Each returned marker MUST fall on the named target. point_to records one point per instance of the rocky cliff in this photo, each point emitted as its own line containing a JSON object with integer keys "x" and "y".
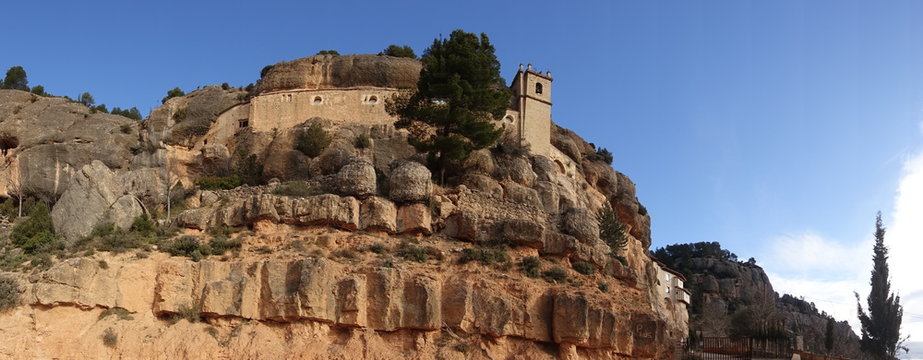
{"x": 353, "y": 253}
{"x": 731, "y": 297}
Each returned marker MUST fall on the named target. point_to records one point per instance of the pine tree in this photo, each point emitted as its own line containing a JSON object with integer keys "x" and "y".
{"x": 881, "y": 325}
{"x": 459, "y": 93}
{"x": 15, "y": 79}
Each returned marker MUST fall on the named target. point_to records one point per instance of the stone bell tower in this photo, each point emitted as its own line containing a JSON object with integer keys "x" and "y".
{"x": 532, "y": 104}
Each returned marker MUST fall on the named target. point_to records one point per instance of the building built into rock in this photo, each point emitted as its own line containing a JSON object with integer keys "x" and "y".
{"x": 353, "y": 89}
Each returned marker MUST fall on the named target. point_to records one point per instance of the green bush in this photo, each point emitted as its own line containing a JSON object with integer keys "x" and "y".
{"x": 143, "y": 226}
{"x": 296, "y": 188}
{"x": 328, "y": 52}
{"x": 190, "y": 313}
{"x": 531, "y": 266}
{"x": 172, "y": 94}
{"x": 35, "y": 232}
{"x": 583, "y": 268}
{"x": 9, "y": 293}
{"x": 180, "y": 114}
{"x": 218, "y": 182}
{"x": 486, "y": 256}
{"x": 399, "y": 51}
{"x": 110, "y": 338}
{"x": 220, "y": 245}
{"x": 378, "y": 248}
{"x": 418, "y": 253}
{"x": 192, "y": 247}
{"x": 555, "y": 274}
{"x": 182, "y": 246}
{"x": 312, "y": 140}
{"x": 125, "y": 128}
{"x": 603, "y": 286}
{"x": 601, "y": 154}
{"x": 362, "y": 141}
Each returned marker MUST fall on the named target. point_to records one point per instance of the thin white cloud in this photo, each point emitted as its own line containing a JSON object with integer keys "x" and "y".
{"x": 827, "y": 272}
{"x": 905, "y": 241}
{"x": 810, "y": 255}
{"x": 833, "y": 296}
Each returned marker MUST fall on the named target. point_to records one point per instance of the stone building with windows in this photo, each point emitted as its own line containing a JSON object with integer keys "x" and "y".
{"x": 674, "y": 298}
{"x": 352, "y": 89}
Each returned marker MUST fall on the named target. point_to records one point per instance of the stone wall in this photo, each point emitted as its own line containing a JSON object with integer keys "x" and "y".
{"x": 286, "y": 109}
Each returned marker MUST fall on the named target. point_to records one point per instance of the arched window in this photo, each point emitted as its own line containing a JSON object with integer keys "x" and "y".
{"x": 538, "y": 88}
{"x": 508, "y": 119}
{"x": 318, "y": 100}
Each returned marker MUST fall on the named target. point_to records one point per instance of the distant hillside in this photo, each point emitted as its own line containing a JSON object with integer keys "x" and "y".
{"x": 731, "y": 297}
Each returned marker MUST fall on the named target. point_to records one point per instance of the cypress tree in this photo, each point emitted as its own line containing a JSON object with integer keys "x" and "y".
{"x": 881, "y": 325}
{"x": 829, "y": 335}
{"x": 459, "y": 93}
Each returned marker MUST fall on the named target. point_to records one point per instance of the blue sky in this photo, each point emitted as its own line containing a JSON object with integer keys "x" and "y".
{"x": 777, "y": 128}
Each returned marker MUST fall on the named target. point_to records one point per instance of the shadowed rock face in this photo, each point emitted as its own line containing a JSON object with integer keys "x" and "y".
{"x": 52, "y": 138}
{"x": 328, "y": 71}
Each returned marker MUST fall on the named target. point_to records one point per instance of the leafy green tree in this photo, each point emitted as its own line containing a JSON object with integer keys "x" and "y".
{"x": 459, "y": 94}
{"x": 829, "y": 335}
{"x": 172, "y": 94}
{"x": 881, "y": 325}
{"x": 86, "y": 99}
{"x": 132, "y": 113}
{"x": 16, "y": 79}
{"x": 399, "y": 51}
{"x": 328, "y": 52}
{"x": 39, "y": 90}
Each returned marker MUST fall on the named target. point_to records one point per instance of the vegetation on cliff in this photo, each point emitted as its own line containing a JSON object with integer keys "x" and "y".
{"x": 735, "y": 298}
{"x": 459, "y": 94}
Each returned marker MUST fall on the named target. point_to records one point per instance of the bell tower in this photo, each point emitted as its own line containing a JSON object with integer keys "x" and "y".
{"x": 532, "y": 99}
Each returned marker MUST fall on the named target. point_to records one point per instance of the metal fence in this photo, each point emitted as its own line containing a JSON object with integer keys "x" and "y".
{"x": 721, "y": 348}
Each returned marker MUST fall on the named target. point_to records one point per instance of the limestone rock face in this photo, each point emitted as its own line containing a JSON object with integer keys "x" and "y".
{"x": 55, "y": 138}
{"x": 182, "y": 119}
{"x": 524, "y": 232}
{"x": 580, "y": 223}
{"x": 377, "y": 214}
{"x": 410, "y": 182}
{"x": 414, "y": 218}
{"x": 329, "y": 71}
{"x": 94, "y": 197}
{"x": 357, "y": 178}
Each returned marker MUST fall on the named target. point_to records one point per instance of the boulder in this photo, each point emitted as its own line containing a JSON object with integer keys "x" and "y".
{"x": 329, "y": 71}
{"x": 483, "y": 184}
{"x": 522, "y": 195}
{"x": 480, "y": 162}
{"x": 356, "y": 178}
{"x": 580, "y": 223}
{"x": 93, "y": 197}
{"x": 414, "y": 218}
{"x": 549, "y": 195}
{"x": 463, "y": 225}
{"x": 525, "y": 232}
{"x": 410, "y": 182}
{"x": 327, "y": 209}
{"x": 520, "y": 171}
{"x": 195, "y": 218}
{"x": 377, "y": 213}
